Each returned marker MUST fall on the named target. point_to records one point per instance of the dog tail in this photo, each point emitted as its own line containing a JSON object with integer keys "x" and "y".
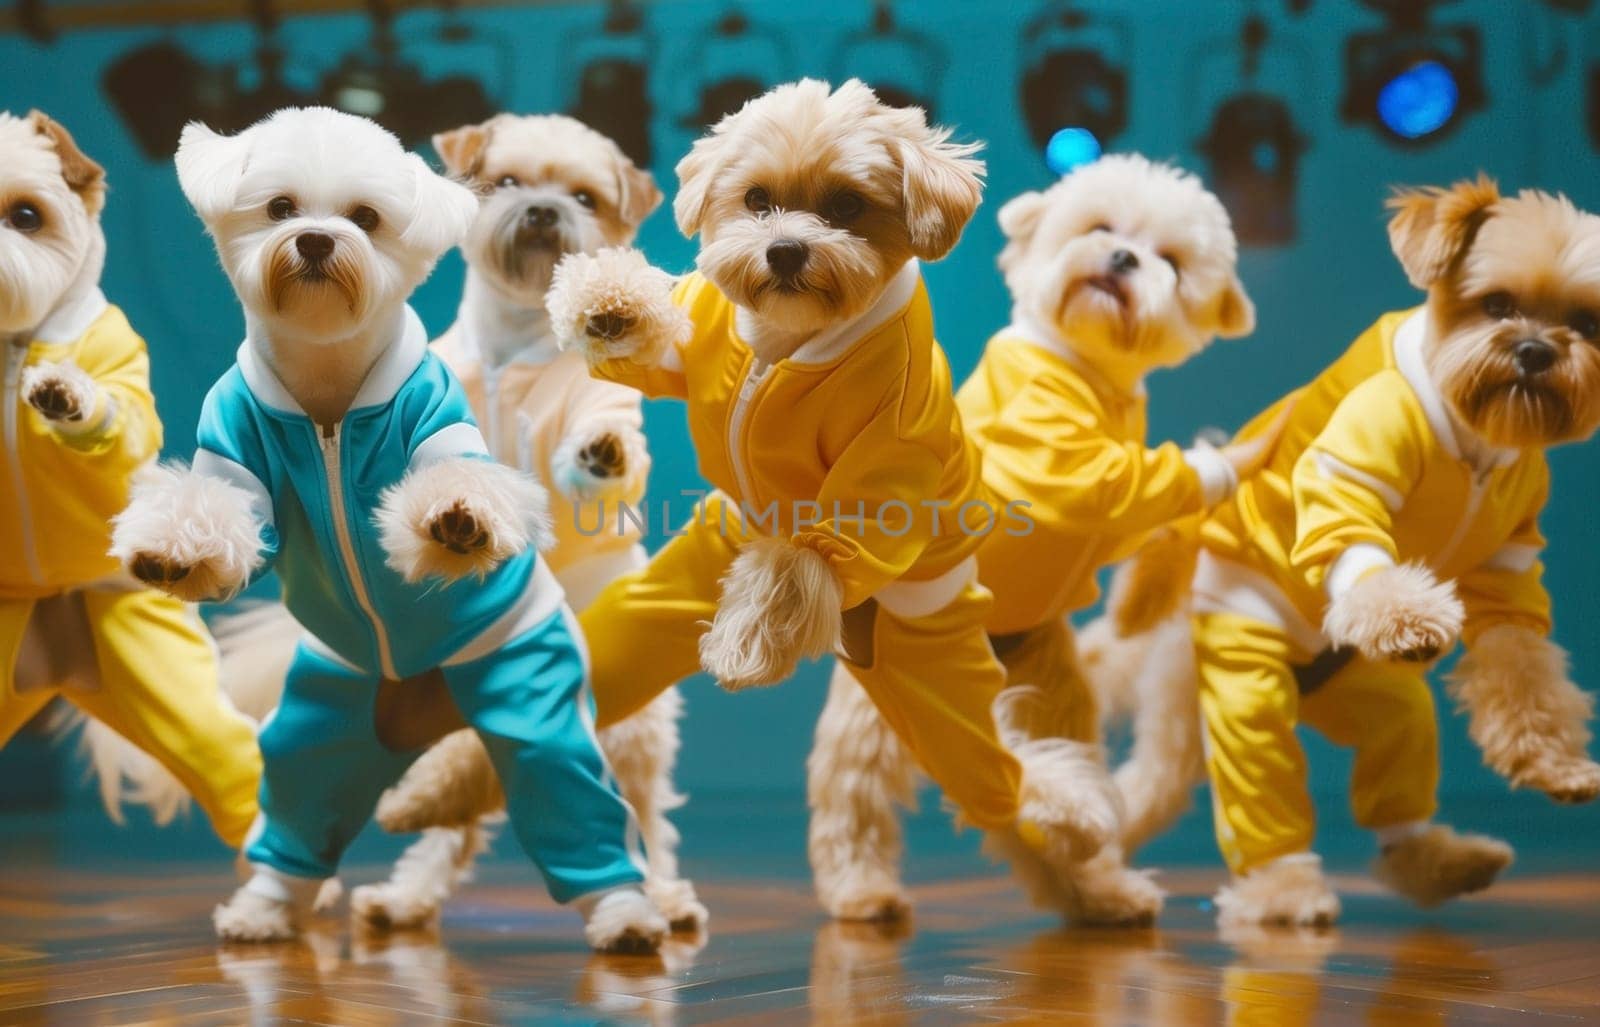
{"x": 254, "y": 645}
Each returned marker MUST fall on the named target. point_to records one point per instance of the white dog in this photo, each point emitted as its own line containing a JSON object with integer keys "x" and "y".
{"x": 342, "y": 451}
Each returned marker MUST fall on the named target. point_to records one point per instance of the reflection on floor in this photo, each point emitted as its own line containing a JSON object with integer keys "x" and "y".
{"x": 84, "y": 946}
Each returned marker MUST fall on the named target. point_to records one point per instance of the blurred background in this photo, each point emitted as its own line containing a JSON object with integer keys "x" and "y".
{"x": 1300, "y": 114}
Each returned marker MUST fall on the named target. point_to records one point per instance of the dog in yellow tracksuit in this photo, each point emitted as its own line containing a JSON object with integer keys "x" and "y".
{"x": 821, "y": 411}
{"x": 1122, "y": 267}
{"x": 78, "y": 420}
{"x": 1400, "y": 510}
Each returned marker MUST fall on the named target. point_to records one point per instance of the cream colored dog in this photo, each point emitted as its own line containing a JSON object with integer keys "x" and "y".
{"x": 548, "y": 186}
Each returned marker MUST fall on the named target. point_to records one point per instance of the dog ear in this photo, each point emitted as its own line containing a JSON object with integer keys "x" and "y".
{"x": 941, "y": 184}
{"x": 1433, "y": 228}
{"x": 1019, "y": 219}
{"x": 209, "y": 168}
{"x": 441, "y": 210}
{"x": 1236, "y": 315}
{"x": 462, "y": 149}
{"x": 637, "y": 193}
{"x": 695, "y": 173}
{"x": 82, "y": 175}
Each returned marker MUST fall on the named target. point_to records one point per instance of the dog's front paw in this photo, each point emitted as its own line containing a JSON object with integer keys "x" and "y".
{"x": 63, "y": 393}
{"x": 1571, "y": 780}
{"x": 460, "y": 517}
{"x": 1396, "y": 613}
{"x": 624, "y": 921}
{"x": 612, "y": 304}
{"x": 598, "y": 463}
{"x": 192, "y": 536}
{"x": 158, "y": 571}
{"x": 250, "y": 917}
{"x": 780, "y": 605}
{"x": 388, "y": 906}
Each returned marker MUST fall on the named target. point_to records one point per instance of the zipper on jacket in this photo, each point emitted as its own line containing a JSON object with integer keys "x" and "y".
{"x": 328, "y": 437}
{"x": 16, "y": 358}
{"x": 748, "y": 388}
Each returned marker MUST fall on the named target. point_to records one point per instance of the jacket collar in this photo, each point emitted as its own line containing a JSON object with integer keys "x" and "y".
{"x": 833, "y": 342}
{"x": 1048, "y": 338}
{"x": 1457, "y": 439}
{"x": 72, "y": 318}
{"x": 399, "y": 361}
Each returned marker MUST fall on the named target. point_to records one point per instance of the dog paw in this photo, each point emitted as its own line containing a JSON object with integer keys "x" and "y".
{"x": 625, "y": 921}
{"x": 192, "y": 536}
{"x": 601, "y": 462}
{"x": 884, "y": 905}
{"x": 1396, "y": 613}
{"x": 457, "y": 529}
{"x": 612, "y": 304}
{"x": 677, "y": 901}
{"x": 157, "y": 571}
{"x": 1567, "y": 780}
{"x": 1437, "y": 864}
{"x": 1067, "y": 797}
{"x": 387, "y": 907}
{"x": 779, "y": 605}
{"x": 1290, "y": 891}
{"x": 1122, "y": 897}
{"x": 250, "y": 917}
{"x": 61, "y": 393}
{"x": 460, "y": 517}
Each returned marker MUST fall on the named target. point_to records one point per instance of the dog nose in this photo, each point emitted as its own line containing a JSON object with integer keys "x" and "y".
{"x": 314, "y": 246}
{"x": 540, "y": 216}
{"x": 1123, "y": 261}
{"x": 787, "y": 256}
{"x": 1534, "y": 356}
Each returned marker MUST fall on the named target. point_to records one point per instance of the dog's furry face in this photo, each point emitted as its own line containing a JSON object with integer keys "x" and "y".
{"x": 322, "y": 220}
{"x": 50, "y": 201}
{"x": 548, "y": 186}
{"x": 1514, "y": 303}
{"x": 807, "y": 201}
{"x": 1128, "y": 260}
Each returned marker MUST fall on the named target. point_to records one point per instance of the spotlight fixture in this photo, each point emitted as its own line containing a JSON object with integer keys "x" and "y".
{"x": 1074, "y": 88}
{"x": 1413, "y": 81}
{"x": 612, "y": 87}
{"x": 1253, "y": 148}
{"x": 733, "y": 65}
{"x": 901, "y": 65}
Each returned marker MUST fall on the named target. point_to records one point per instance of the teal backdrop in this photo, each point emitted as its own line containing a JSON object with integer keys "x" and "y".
{"x": 1313, "y": 295}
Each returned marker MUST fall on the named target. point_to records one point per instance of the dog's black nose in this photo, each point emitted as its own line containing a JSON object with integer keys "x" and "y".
{"x": 314, "y": 246}
{"x": 1534, "y": 356}
{"x": 787, "y": 256}
{"x": 1123, "y": 261}
{"x": 540, "y": 216}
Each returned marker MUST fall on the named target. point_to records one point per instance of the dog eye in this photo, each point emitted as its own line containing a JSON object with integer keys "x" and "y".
{"x": 280, "y": 208}
{"x": 365, "y": 218}
{"x": 1100, "y": 227}
{"x": 844, "y": 208}
{"x": 1499, "y": 305}
{"x": 1585, "y": 323}
{"x": 25, "y": 218}
{"x": 758, "y": 200}
{"x": 585, "y": 198}
{"x": 507, "y": 182}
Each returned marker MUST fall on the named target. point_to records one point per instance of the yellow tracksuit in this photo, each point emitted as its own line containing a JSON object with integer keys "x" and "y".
{"x": 1059, "y": 438}
{"x": 1372, "y": 469}
{"x": 156, "y": 670}
{"x": 853, "y": 447}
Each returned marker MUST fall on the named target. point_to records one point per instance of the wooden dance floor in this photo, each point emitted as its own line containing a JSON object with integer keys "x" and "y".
{"x": 108, "y": 937}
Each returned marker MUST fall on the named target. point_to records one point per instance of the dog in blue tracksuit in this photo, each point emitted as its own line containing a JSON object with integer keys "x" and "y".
{"x": 341, "y": 453}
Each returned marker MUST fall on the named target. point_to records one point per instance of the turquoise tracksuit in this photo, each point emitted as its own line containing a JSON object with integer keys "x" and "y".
{"x": 508, "y": 648}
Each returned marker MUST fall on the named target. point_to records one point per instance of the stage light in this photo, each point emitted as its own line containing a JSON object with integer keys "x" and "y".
{"x": 732, "y": 65}
{"x": 1413, "y": 81}
{"x": 1074, "y": 81}
{"x": 1070, "y": 147}
{"x": 1254, "y": 150}
{"x": 902, "y": 66}
{"x": 612, "y": 87}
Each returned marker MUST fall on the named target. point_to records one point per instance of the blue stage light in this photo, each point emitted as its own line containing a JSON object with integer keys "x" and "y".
{"x": 1419, "y": 101}
{"x": 1070, "y": 147}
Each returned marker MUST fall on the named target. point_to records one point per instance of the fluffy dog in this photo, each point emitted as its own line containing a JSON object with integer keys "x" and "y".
{"x": 548, "y": 186}
{"x": 342, "y": 452}
{"x": 1122, "y": 267}
{"x": 1399, "y": 511}
{"x": 79, "y": 421}
{"x": 821, "y": 410}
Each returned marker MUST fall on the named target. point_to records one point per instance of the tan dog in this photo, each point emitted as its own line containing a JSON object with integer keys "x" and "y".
{"x": 548, "y": 186}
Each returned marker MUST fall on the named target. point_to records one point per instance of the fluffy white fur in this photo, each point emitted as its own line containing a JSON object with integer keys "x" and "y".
{"x": 1400, "y": 612}
{"x": 779, "y": 605}
{"x": 189, "y": 534}
{"x": 622, "y": 920}
{"x": 1065, "y": 788}
{"x": 424, "y": 876}
{"x": 461, "y": 517}
{"x": 1292, "y": 891}
{"x": 452, "y": 783}
{"x": 605, "y": 459}
{"x": 63, "y": 393}
{"x": 1437, "y": 864}
{"x": 613, "y": 305}
{"x": 249, "y": 917}
{"x": 1525, "y": 713}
